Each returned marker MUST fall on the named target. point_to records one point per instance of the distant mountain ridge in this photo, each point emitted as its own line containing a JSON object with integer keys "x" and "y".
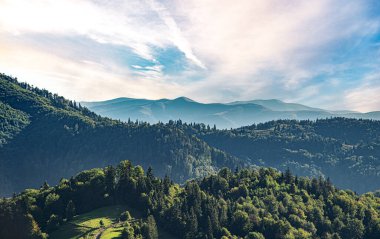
{"x": 277, "y": 105}
{"x": 223, "y": 115}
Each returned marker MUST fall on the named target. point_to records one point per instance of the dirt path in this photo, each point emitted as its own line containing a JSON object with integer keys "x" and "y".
{"x": 102, "y": 229}
{"x": 99, "y": 234}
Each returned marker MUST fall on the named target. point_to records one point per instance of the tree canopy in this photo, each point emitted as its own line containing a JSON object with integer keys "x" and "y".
{"x": 248, "y": 203}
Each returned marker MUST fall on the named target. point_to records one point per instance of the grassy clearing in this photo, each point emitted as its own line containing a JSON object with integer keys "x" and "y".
{"x": 112, "y": 233}
{"x": 86, "y": 225}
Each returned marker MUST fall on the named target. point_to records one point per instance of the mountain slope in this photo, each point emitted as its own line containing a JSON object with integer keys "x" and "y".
{"x": 55, "y": 138}
{"x": 12, "y": 121}
{"x": 45, "y": 137}
{"x": 346, "y": 150}
{"x": 245, "y": 204}
{"x": 230, "y": 115}
{"x": 277, "y": 105}
{"x": 163, "y": 110}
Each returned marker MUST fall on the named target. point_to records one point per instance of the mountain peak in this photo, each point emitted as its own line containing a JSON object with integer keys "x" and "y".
{"x": 183, "y": 98}
{"x": 223, "y": 115}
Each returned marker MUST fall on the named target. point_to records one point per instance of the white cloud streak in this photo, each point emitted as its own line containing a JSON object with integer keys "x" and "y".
{"x": 365, "y": 97}
{"x": 175, "y": 33}
{"x": 241, "y": 40}
{"x": 235, "y": 50}
{"x": 79, "y": 80}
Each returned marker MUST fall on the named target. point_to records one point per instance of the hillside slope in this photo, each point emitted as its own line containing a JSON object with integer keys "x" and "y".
{"x": 247, "y": 204}
{"x": 45, "y": 137}
{"x": 346, "y": 150}
{"x": 49, "y": 137}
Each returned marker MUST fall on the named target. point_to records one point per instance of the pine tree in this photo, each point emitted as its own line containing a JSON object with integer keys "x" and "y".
{"x": 150, "y": 230}
{"x": 166, "y": 184}
{"x": 110, "y": 174}
{"x": 149, "y": 173}
{"x": 192, "y": 225}
{"x": 70, "y": 210}
{"x": 209, "y": 228}
{"x": 288, "y": 176}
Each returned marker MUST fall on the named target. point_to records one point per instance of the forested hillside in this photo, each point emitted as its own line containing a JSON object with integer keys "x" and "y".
{"x": 11, "y": 122}
{"x": 46, "y": 137}
{"x": 248, "y": 203}
{"x": 346, "y": 150}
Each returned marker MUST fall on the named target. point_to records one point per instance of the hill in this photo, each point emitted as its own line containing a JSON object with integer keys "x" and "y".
{"x": 44, "y": 137}
{"x": 248, "y": 203}
{"x": 229, "y": 115}
{"x": 345, "y": 150}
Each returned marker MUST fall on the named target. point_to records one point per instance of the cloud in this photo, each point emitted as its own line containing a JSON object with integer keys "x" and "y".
{"x": 80, "y": 79}
{"x": 238, "y": 41}
{"x": 102, "y": 24}
{"x": 317, "y": 52}
{"x": 365, "y": 97}
{"x": 175, "y": 33}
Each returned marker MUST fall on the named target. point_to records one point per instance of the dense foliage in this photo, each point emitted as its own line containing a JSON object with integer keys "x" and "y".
{"x": 11, "y": 122}
{"x": 250, "y": 203}
{"x": 45, "y": 137}
{"x": 346, "y": 150}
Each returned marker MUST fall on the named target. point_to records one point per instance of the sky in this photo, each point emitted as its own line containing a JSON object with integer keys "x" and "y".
{"x": 322, "y": 53}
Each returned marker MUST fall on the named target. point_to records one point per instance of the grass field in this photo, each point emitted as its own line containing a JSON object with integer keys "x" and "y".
{"x": 87, "y": 225}
{"x": 112, "y": 233}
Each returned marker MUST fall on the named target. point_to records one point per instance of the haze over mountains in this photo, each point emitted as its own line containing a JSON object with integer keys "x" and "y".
{"x": 44, "y": 136}
{"x": 223, "y": 115}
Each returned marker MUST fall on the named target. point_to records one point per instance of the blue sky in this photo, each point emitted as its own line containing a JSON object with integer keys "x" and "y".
{"x": 323, "y": 53}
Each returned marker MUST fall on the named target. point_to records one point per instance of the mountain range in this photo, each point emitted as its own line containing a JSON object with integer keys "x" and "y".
{"x": 45, "y": 137}
{"x": 223, "y": 115}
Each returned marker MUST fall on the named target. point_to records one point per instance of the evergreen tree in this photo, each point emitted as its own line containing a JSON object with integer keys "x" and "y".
{"x": 150, "y": 228}
{"x": 70, "y": 210}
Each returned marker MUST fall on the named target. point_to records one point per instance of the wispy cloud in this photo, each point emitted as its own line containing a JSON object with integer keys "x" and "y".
{"x": 318, "y": 52}
{"x": 80, "y": 79}
{"x": 175, "y": 33}
{"x": 365, "y": 97}
{"x": 290, "y": 43}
